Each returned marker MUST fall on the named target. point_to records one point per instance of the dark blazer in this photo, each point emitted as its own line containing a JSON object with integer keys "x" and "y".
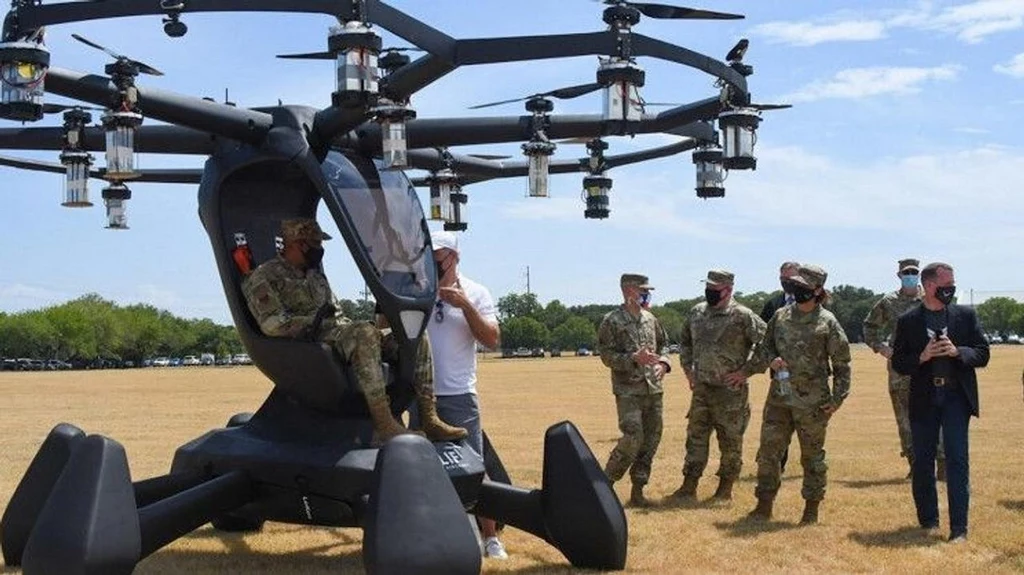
{"x": 773, "y": 305}
{"x": 911, "y": 337}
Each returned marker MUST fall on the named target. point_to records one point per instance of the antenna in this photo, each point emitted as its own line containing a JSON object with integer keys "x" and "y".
{"x": 527, "y": 280}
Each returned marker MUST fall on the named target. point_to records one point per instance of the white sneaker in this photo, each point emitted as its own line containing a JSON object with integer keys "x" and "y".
{"x": 494, "y": 549}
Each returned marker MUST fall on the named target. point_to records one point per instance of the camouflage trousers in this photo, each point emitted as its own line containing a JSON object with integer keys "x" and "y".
{"x": 899, "y": 393}
{"x": 640, "y": 422}
{"x": 365, "y": 347}
{"x": 780, "y": 421}
{"x": 725, "y": 411}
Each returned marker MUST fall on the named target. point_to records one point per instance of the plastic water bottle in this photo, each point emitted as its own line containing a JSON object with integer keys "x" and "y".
{"x": 782, "y": 376}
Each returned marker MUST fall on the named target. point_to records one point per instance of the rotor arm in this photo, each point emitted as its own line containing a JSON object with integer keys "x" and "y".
{"x": 647, "y": 46}
{"x": 219, "y": 119}
{"x": 168, "y": 176}
{"x": 149, "y": 139}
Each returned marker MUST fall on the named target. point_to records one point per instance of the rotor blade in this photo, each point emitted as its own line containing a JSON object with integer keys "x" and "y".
{"x": 574, "y": 141}
{"x": 738, "y": 51}
{"x": 88, "y": 42}
{"x": 478, "y": 106}
{"x": 771, "y": 106}
{"x": 656, "y": 104}
{"x": 146, "y": 68}
{"x": 308, "y": 56}
{"x": 488, "y": 156}
{"x": 680, "y": 13}
{"x": 573, "y": 91}
{"x": 402, "y": 49}
{"x": 57, "y": 108}
{"x": 34, "y": 165}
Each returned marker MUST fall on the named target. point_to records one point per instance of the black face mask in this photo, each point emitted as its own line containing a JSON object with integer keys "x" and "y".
{"x": 712, "y": 296}
{"x": 313, "y": 257}
{"x": 802, "y": 294}
{"x": 787, "y": 286}
{"x": 945, "y": 294}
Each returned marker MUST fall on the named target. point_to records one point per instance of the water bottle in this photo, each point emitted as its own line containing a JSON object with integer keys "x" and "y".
{"x": 782, "y": 376}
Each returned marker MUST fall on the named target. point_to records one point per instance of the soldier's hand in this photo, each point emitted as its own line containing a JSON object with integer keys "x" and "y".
{"x": 933, "y": 349}
{"x": 646, "y": 357}
{"x": 829, "y": 408}
{"x": 885, "y": 351}
{"x": 736, "y": 379}
{"x": 659, "y": 371}
{"x": 777, "y": 364}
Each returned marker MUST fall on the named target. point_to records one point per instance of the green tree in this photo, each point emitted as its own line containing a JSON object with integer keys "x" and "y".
{"x": 527, "y": 332}
{"x": 1000, "y": 314}
{"x": 851, "y": 305}
{"x": 553, "y": 315}
{"x": 671, "y": 320}
{"x": 574, "y": 333}
{"x": 516, "y": 305}
{"x": 756, "y": 300}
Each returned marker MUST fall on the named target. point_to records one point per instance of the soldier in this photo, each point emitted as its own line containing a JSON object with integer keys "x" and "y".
{"x": 804, "y": 342}
{"x": 878, "y": 332}
{"x": 716, "y": 339}
{"x": 786, "y": 271}
{"x": 289, "y": 296}
{"x": 629, "y": 340}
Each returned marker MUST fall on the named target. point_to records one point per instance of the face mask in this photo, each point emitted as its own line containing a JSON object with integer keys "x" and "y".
{"x": 313, "y": 257}
{"x": 802, "y": 294}
{"x": 909, "y": 281}
{"x": 787, "y": 286}
{"x": 712, "y": 296}
{"x": 644, "y": 299}
{"x": 945, "y": 294}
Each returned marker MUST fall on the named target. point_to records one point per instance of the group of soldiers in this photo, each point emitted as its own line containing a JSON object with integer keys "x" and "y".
{"x": 721, "y": 344}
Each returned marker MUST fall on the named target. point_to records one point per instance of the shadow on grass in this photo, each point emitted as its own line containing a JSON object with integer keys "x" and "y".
{"x": 748, "y": 528}
{"x": 902, "y": 538}
{"x": 869, "y": 483}
{"x": 1012, "y": 505}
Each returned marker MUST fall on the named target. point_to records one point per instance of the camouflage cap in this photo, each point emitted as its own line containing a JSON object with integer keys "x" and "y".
{"x": 636, "y": 280}
{"x": 719, "y": 278}
{"x": 910, "y": 264}
{"x": 302, "y": 229}
{"x": 810, "y": 276}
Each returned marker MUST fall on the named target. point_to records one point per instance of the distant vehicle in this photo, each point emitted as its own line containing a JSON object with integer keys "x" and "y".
{"x": 507, "y": 353}
{"x": 223, "y": 360}
{"x": 537, "y": 352}
{"x": 161, "y": 362}
{"x": 241, "y": 359}
{"x": 556, "y": 353}
{"x": 56, "y": 364}
{"x": 175, "y": 362}
{"x": 190, "y": 360}
{"x": 207, "y": 359}
{"x": 1014, "y": 339}
{"x": 148, "y": 362}
{"x": 9, "y": 365}
{"x": 524, "y": 352}
{"x": 582, "y": 352}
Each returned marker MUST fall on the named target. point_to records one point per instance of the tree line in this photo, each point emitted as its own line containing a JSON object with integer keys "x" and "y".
{"x": 527, "y": 323}
{"x": 91, "y": 327}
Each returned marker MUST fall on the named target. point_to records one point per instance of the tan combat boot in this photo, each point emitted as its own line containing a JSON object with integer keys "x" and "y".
{"x": 724, "y": 491}
{"x": 763, "y": 511}
{"x": 688, "y": 490}
{"x": 384, "y": 425}
{"x": 432, "y": 425}
{"x": 810, "y": 516}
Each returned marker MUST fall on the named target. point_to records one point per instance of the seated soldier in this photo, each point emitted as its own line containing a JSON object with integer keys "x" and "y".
{"x": 289, "y": 296}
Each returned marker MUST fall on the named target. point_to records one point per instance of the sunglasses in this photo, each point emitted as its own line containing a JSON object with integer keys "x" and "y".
{"x": 909, "y": 273}
{"x": 439, "y": 312}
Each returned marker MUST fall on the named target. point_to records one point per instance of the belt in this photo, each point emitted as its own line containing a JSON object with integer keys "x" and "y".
{"x": 939, "y": 381}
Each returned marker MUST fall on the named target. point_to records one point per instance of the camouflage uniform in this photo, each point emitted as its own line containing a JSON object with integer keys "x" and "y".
{"x": 638, "y": 393}
{"x": 714, "y": 342}
{"x": 878, "y": 331}
{"x": 808, "y": 342}
{"x": 285, "y": 299}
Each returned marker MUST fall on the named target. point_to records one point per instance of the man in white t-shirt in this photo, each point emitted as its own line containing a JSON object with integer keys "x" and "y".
{"x": 465, "y": 314}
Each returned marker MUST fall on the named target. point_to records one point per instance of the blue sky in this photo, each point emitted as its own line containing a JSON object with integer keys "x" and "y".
{"x": 905, "y": 141}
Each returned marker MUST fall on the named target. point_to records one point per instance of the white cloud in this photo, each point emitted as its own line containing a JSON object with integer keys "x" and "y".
{"x": 874, "y": 81}
{"x": 810, "y": 34}
{"x": 22, "y": 296}
{"x": 1015, "y": 67}
{"x": 970, "y": 22}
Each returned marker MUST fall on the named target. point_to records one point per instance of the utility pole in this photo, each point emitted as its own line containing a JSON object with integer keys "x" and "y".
{"x": 366, "y": 293}
{"x": 527, "y": 280}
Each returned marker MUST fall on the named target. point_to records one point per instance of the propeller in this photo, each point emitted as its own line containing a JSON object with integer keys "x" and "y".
{"x": 488, "y": 156}
{"x": 58, "y": 107}
{"x": 329, "y": 56}
{"x": 561, "y": 93}
{"x": 666, "y": 12}
{"x": 738, "y": 51}
{"x": 141, "y": 67}
{"x": 754, "y": 106}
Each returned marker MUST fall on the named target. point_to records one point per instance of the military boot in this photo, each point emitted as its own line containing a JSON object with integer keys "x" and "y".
{"x": 384, "y": 425}
{"x": 763, "y": 511}
{"x": 810, "y": 513}
{"x": 432, "y": 425}
{"x": 940, "y": 469}
{"x": 636, "y": 496}
{"x": 724, "y": 491}
{"x": 688, "y": 490}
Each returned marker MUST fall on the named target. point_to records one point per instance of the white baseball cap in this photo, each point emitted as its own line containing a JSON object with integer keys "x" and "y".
{"x": 444, "y": 240}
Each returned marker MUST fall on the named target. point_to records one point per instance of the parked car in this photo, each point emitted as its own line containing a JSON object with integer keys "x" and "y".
{"x": 174, "y": 362}
{"x": 556, "y": 353}
{"x": 190, "y": 360}
{"x": 507, "y": 353}
{"x": 207, "y": 359}
{"x": 582, "y": 352}
{"x": 537, "y": 352}
{"x": 241, "y": 359}
{"x": 524, "y": 352}
{"x": 161, "y": 362}
{"x": 9, "y": 365}
{"x": 223, "y": 360}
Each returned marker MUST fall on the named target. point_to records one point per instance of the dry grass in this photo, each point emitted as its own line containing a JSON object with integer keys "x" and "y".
{"x": 867, "y": 517}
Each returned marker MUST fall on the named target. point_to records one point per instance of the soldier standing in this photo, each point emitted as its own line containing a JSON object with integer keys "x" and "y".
{"x": 716, "y": 339}
{"x": 804, "y": 343}
{"x": 629, "y": 340}
{"x": 289, "y": 297}
{"x": 878, "y": 332}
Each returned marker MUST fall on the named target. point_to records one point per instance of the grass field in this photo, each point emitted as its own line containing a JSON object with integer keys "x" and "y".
{"x": 867, "y": 518}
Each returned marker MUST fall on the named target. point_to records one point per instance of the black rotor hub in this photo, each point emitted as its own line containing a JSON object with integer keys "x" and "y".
{"x": 391, "y": 61}
{"x": 540, "y": 105}
{"x": 621, "y": 16}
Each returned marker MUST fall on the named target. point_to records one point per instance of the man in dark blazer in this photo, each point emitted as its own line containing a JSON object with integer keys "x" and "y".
{"x": 774, "y": 304}
{"x": 939, "y": 344}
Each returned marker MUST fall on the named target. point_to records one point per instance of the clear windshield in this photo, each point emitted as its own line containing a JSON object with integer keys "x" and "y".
{"x": 389, "y": 222}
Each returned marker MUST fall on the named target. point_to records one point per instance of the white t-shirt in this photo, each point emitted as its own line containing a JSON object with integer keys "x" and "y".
{"x": 453, "y": 344}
